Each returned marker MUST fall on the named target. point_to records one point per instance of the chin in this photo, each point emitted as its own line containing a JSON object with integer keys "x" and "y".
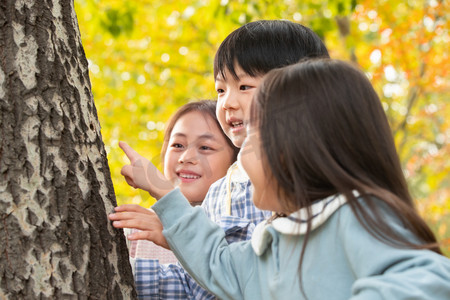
{"x": 237, "y": 141}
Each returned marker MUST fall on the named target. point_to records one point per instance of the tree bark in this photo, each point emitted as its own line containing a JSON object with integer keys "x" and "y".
{"x": 55, "y": 185}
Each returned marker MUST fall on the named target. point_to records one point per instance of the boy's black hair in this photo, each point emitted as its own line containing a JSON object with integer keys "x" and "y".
{"x": 261, "y": 46}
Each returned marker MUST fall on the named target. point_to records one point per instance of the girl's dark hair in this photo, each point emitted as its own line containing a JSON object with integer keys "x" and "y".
{"x": 207, "y": 108}
{"x": 324, "y": 131}
{"x": 261, "y": 46}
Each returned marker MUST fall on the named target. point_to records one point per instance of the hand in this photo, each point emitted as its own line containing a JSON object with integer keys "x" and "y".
{"x": 142, "y": 174}
{"x": 138, "y": 217}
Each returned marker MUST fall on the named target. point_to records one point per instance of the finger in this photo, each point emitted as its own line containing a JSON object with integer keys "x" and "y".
{"x": 129, "y": 152}
{"x": 125, "y": 223}
{"x": 130, "y": 182}
{"x": 127, "y": 172}
{"x": 140, "y": 235}
{"x": 152, "y": 236}
{"x": 130, "y": 208}
{"x": 123, "y": 216}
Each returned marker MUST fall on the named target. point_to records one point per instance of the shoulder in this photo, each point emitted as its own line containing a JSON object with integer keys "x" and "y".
{"x": 375, "y": 209}
{"x": 357, "y": 237}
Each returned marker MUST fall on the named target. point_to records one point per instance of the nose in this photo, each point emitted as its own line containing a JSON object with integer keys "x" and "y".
{"x": 230, "y": 101}
{"x": 188, "y": 156}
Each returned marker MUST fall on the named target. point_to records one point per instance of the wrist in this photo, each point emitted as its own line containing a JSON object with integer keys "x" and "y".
{"x": 162, "y": 190}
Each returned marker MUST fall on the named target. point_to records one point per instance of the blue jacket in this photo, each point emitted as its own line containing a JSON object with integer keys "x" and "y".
{"x": 342, "y": 260}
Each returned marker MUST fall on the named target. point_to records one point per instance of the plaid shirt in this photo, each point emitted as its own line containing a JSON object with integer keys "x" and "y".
{"x": 238, "y": 219}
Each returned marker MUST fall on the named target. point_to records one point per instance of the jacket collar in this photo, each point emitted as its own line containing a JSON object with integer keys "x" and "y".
{"x": 297, "y": 222}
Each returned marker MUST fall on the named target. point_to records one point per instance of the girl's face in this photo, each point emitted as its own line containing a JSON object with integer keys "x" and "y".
{"x": 265, "y": 189}
{"x": 197, "y": 155}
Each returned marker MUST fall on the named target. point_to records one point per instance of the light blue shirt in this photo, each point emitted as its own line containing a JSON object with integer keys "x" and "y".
{"x": 342, "y": 260}
{"x": 234, "y": 212}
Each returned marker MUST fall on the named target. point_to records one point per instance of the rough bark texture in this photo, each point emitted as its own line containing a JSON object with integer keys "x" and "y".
{"x": 55, "y": 186}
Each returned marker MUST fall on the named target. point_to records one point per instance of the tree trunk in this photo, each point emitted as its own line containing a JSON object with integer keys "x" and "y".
{"x": 55, "y": 186}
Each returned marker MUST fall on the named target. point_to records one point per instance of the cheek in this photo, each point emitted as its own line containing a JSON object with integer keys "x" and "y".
{"x": 245, "y": 105}
{"x": 220, "y": 114}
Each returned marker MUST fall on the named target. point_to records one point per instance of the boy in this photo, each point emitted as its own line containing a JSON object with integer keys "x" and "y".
{"x": 241, "y": 61}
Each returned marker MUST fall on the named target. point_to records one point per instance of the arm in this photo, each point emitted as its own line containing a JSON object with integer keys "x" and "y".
{"x": 219, "y": 267}
{"x": 243, "y": 217}
{"x": 387, "y": 272}
{"x": 154, "y": 280}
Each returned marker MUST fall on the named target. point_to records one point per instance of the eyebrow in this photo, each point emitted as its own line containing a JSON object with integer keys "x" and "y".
{"x": 206, "y": 136}
{"x": 240, "y": 76}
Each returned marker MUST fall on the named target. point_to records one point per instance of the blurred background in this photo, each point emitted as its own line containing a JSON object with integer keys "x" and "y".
{"x": 148, "y": 57}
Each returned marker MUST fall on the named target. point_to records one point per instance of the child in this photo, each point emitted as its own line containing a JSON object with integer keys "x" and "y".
{"x": 240, "y": 63}
{"x": 195, "y": 152}
{"x": 319, "y": 152}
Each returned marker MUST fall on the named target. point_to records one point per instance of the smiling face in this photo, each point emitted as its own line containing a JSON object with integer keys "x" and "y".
{"x": 197, "y": 155}
{"x": 233, "y": 102}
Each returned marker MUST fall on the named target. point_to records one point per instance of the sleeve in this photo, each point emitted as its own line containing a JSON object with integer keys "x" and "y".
{"x": 383, "y": 271}
{"x": 156, "y": 281}
{"x": 201, "y": 247}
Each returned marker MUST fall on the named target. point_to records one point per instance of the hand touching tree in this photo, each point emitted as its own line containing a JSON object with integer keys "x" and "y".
{"x": 135, "y": 216}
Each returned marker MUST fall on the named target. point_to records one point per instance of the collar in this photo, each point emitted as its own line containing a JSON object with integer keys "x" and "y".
{"x": 297, "y": 222}
{"x": 238, "y": 174}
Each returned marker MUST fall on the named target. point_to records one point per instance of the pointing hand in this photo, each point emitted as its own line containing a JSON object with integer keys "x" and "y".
{"x": 142, "y": 174}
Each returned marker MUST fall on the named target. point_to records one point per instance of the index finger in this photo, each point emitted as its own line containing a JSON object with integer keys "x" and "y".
{"x": 129, "y": 152}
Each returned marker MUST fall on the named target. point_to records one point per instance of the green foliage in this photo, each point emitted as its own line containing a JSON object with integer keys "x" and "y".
{"x": 115, "y": 21}
{"x": 149, "y": 57}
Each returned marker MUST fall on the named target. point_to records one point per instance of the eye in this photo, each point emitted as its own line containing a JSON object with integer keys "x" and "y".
{"x": 177, "y": 146}
{"x": 244, "y": 87}
{"x": 220, "y": 91}
{"x": 205, "y": 148}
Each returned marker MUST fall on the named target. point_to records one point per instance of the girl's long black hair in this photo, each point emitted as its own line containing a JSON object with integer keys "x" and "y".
{"x": 323, "y": 131}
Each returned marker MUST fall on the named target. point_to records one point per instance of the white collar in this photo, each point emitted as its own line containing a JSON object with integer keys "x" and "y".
{"x": 296, "y": 223}
{"x": 238, "y": 174}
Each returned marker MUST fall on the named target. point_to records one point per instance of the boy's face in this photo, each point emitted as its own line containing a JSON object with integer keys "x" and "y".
{"x": 233, "y": 103}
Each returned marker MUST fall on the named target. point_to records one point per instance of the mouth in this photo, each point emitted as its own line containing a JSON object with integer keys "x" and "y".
{"x": 236, "y": 125}
{"x": 187, "y": 176}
